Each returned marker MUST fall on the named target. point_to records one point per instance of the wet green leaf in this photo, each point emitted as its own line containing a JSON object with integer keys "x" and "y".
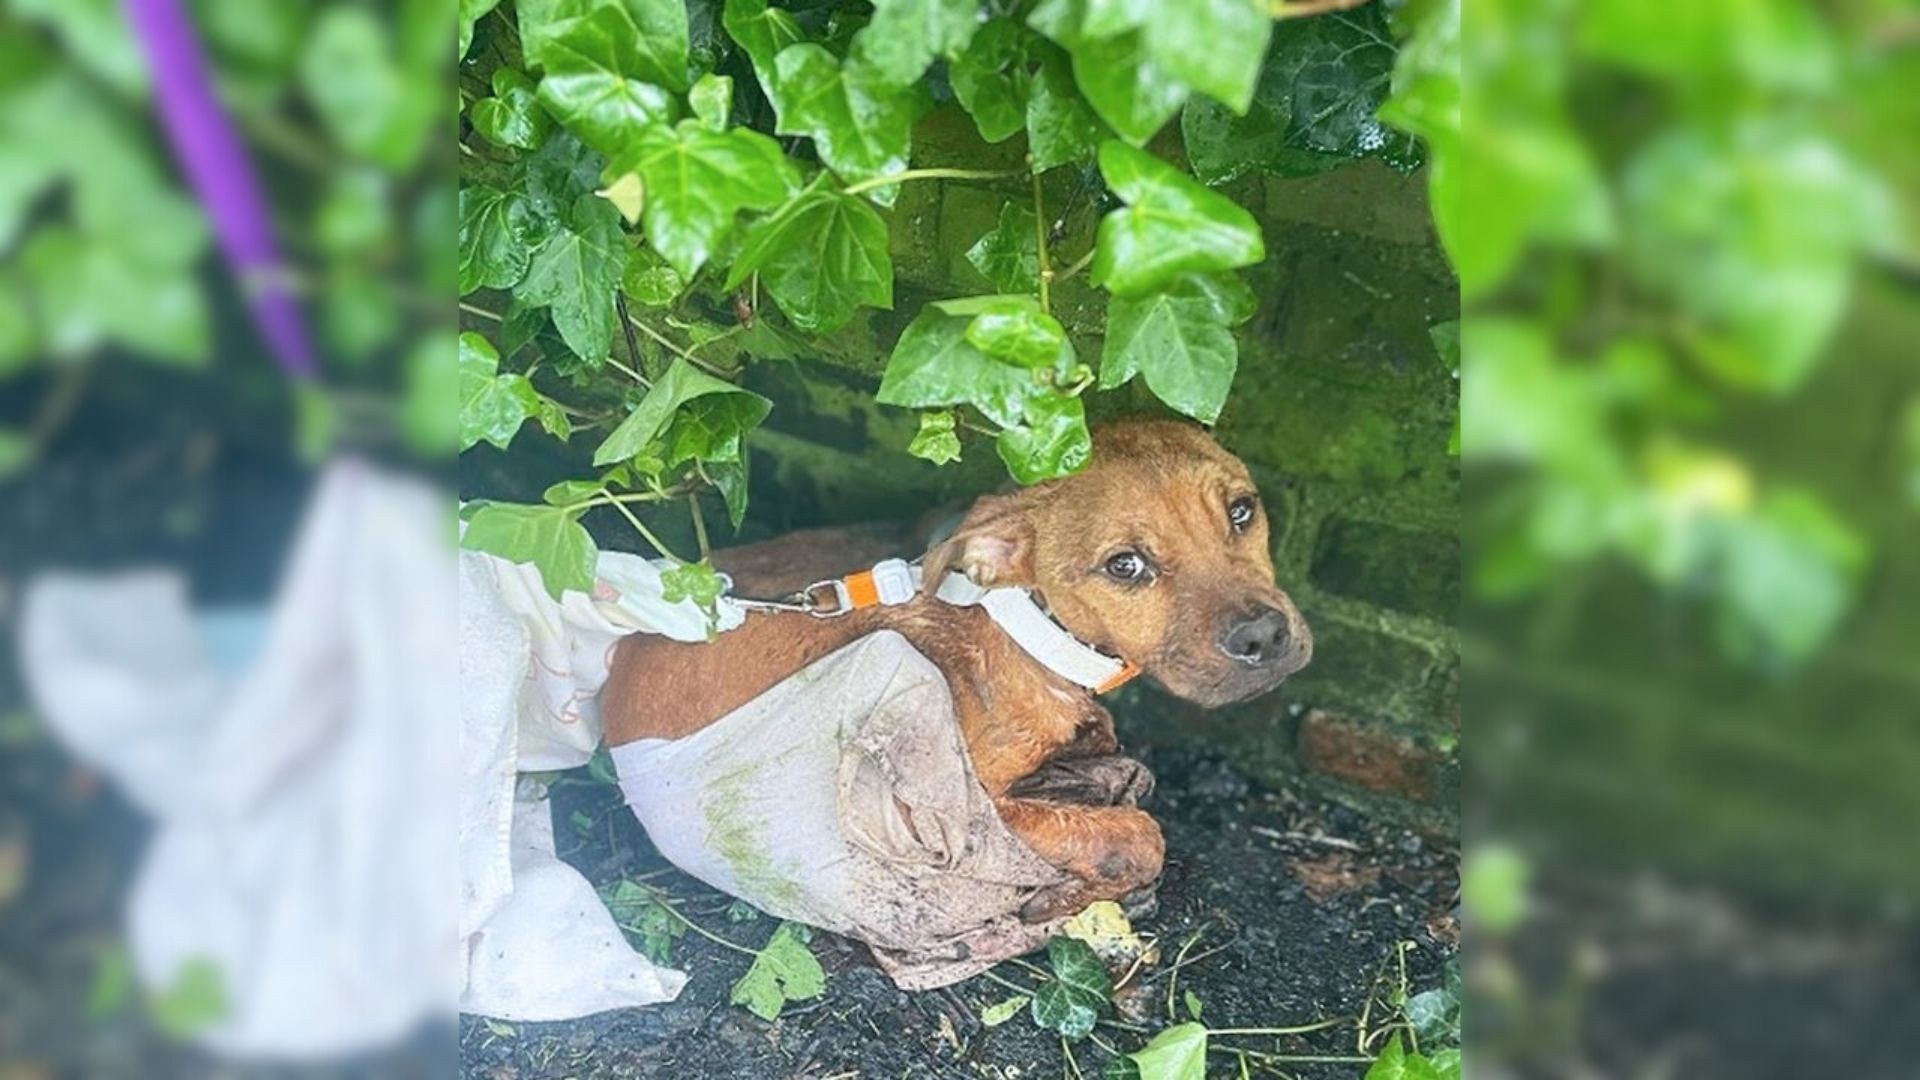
{"x": 649, "y": 281}
{"x": 683, "y": 383}
{"x": 471, "y": 12}
{"x": 1050, "y": 441}
{"x": 354, "y": 215}
{"x": 1178, "y": 1053}
{"x": 638, "y": 39}
{"x": 1074, "y": 998}
{"x": 605, "y": 110}
{"x": 1397, "y": 1063}
{"x": 1018, "y": 332}
{"x": 936, "y": 441}
{"x": 512, "y": 116}
{"x": 763, "y": 32}
{"x": 698, "y": 179}
{"x": 494, "y": 230}
{"x": 1179, "y": 340}
{"x": 1009, "y": 255}
{"x": 493, "y": 404}
{"x": 575, "y": 273}
{"x": 820, "y": 256}
{"x": 551, "y": 538}
{"x": 1171, "y": 225}
{"x": 711, "y": 99}
{"x": 784, "y": 971}
{"x": 991, "y": 79}
{"x": 861, "y": 129}
{"x": 933, "y": 364}
{"x": 365, "y": 100}
{"x": 1061, "y": 126}
{"x": 905, "y": 36}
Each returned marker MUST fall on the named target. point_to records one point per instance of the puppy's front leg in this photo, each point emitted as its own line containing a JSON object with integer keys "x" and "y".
{"x": 1110, "y": 850}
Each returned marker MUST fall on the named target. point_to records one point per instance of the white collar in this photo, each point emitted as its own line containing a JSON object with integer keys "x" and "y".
{"x": 1017, "y": 613}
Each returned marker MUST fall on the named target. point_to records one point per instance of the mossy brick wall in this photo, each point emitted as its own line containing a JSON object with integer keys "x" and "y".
{"x": 1340, "y": 409}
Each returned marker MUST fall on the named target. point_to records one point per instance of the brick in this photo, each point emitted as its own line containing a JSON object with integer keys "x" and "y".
{"x": 1367, "y": 755}
{"x": 1413, "y": 572}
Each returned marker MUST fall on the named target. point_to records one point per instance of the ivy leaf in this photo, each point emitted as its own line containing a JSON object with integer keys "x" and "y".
{"x": 1002, "y": 1011}
{"x": 511, "y": 117}
{"x": 783, "y": 971}
{"x": 639, "y": 912}
{"x": 1113, "y": 63}
{"x": 649, "y": 281}
{"x": 1171, "y": 225}
{"x": 936, "y": 442}
{"x": 731, "y": 478}
{"x": 763, "y": 33}
{"x": 1178, "y": 1053}
{"x": 641, "y": 39}
{"x": 862, "y": 130}
{"x": 711, "y": 99}
{"x": 494, "y": 230}
{"x": 904, "y": 36}
{"x": 1395, "y": 1063}
{"x": 697, "y": 179}
{"x": 349, "y": 72}
{"x": 1018, "y": 332}
{"x": 681, "y": 384}
{"x": 698, "y": 584}
{"x": 575, "y": 274}
{"x": 549, "y": 537}
{"x": 934, "y": 364}
{"x": 1051, "y": 441}
{"x": 355, "y": 215}
{"x": 713, "y": 428}
{"x": 1214, "y": 46}
{"x": 991, "y": 79}
{"x": 1061, "y": 126}
{"x": 1178, "y": 338}
{"x": 1074, "y": 998}
{"x": 821, "y": 256}
{"x": 1009, "y": 254}
{"x": 1126, "y": 86}
{"x": 606, "y": 110}
{"x": 471, "y": 12}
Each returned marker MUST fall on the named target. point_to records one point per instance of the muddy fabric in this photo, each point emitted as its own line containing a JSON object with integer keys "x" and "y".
{"x": 844, "y": 798}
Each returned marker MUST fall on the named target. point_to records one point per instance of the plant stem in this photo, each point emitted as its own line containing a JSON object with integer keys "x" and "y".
{"x": 641, "y": 529}
{"x": 631, "y": 373}
{"x": 926, "y": 174}
{"x": 699, "y": 525}
{"x": 474, "y": 309}
{"x": 1301, "y": 1030}
{"x": 668, "y": 344}
{"x": 614, "y": 500}
{"x": 662, "y": 899}
{"x": 1040, "y": 246}
{"x": 1008, "y": 983}
{"x": 1078, "y": 265}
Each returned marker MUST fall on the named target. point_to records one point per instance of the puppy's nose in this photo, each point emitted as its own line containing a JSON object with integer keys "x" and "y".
{"x": 1257, "y": 640}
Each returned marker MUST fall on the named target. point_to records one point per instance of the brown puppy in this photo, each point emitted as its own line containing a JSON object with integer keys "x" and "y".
{"x": 1157, "y": 553}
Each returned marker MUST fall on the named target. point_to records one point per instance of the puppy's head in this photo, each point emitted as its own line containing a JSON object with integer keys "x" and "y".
{"x": 1157, "y": 553}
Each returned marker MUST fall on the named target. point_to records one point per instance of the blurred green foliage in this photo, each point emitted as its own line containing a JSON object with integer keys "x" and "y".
{"x": 1662, "y": 208}
{"x": 103, "y": 250}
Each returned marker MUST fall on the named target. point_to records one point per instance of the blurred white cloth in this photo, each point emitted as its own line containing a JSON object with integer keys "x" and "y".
{"x": 308, "y": 786}
{"x": 304, "y": 805}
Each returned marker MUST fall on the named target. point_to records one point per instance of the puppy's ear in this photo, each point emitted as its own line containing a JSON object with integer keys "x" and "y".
{"x": 993, "y": 546}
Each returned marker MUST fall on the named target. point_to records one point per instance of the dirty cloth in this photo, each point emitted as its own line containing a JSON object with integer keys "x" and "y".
{"x": 843, "y": 798}
{"x": 538, "y": 942}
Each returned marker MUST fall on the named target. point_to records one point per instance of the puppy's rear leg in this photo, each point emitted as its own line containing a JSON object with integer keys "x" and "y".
{"x": 1110, "y": 851}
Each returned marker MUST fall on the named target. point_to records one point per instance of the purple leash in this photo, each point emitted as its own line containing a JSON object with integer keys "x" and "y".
{"x": 216, "y": 165}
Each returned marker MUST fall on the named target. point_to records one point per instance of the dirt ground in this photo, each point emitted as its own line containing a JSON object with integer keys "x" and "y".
{"x": 1294, "y": 909}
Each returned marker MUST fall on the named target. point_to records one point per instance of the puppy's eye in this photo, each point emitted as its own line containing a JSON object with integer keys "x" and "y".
{"x": 1127, "y": 566}
{"x": 1240, "y": 513}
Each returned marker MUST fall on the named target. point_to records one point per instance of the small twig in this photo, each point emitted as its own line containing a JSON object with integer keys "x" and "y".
{"x": 474, "y": 309}
{"x": 685, "y": 354}
{"x": 629, "y": 372}
{"x": 626, "y": 327}
{"x": 1067, "y": 1049}
{"x": 1309, "y": 838}
{"x": 1174, "y": 971}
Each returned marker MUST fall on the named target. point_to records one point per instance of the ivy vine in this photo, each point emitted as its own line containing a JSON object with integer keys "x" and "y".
{"x": 655, "y": 192}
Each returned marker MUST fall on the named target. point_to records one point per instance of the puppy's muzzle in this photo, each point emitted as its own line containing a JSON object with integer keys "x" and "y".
{"x": 1269, "y": 639}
